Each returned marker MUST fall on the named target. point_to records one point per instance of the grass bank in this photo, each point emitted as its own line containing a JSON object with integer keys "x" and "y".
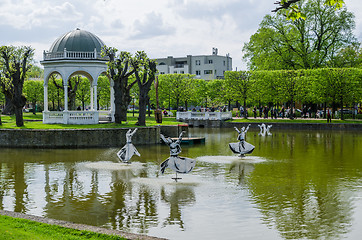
{"x": 22, "y": 229}
{"x": 32, "y": 121}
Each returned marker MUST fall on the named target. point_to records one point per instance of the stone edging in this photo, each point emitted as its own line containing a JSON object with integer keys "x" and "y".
{"x": 131, "y": 236}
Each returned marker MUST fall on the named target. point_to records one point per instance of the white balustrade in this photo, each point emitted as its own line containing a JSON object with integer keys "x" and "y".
{"x": 72, "y": 55}
{"x": 71, "y": 117}
{"x": 203, "y": 115}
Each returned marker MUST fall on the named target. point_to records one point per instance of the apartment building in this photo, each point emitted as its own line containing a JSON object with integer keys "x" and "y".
{"x": 206, "y": 67}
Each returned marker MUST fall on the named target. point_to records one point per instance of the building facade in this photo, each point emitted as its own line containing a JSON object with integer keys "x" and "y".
{"x": 206, "y": 67}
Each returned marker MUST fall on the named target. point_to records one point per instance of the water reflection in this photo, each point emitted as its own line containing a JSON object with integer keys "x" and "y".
{"x": 294, "y": 185}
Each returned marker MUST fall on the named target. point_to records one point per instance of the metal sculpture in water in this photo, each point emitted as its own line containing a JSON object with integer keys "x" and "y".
{"x": 262, "y": 129}
{"x": 175, "y": 162}
{"x": 242, "y": 147}
{"x": 268, "y": 130}
{"x": 126, "y": 153}
{"x": 265, "y": 129}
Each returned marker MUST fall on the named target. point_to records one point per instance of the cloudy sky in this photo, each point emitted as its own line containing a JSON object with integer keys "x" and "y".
{"x": 160, "y": 27}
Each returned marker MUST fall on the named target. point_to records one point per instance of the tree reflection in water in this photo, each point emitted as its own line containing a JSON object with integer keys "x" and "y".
{"x": 177, "y": 198}
{"x": 306, "y": 197}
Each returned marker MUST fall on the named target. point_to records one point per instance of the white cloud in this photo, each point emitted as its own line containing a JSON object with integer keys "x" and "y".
{"x": 161, "y": 28}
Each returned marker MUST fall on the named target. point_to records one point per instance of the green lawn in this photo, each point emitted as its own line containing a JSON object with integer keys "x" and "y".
{"x": 32, "y": 121}
{"x": 22, "y": 229}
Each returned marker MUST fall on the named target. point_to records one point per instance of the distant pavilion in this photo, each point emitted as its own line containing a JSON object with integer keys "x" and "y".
{"x": 75, "y": 53}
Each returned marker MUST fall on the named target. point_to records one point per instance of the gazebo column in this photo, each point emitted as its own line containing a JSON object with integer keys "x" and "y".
{"x": 46, "y": 98}
{"x": 91, "y": 98}
{"x": 65, "y": 97}
{"x": 95, "y": 98}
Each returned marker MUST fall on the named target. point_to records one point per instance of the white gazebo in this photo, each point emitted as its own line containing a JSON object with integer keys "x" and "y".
{"x": 75, "y": 53}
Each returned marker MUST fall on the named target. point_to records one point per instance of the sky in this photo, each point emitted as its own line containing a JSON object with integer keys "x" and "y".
{"x": 161, "y": 28}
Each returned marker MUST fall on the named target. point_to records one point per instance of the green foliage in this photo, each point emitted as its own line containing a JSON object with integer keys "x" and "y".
{"x": 178, "y": 88}
{"x": 83, "y": 92}
{"x": 104, "y": 94}
{"x": 34, "y": 91}
{"x": 291, "y": 9}
{"x": 281, "y": 43}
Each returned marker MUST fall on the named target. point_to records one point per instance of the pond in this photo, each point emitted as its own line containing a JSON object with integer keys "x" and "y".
{"x": 296, "y": 184}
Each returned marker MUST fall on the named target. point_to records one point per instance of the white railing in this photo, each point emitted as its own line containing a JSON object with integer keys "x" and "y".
{"x": 203, "y": 115}
{"x": 72, "y": 55}
{"x": 71, "y": 117}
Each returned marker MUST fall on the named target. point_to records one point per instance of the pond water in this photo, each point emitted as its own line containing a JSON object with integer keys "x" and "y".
{"x": 296, "y": 184}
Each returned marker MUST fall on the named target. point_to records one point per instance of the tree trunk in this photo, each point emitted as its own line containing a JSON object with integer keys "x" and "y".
{"x": 19, "y": 116}
{"x": 9, "y": 107}
{"x": 143, "y": 99}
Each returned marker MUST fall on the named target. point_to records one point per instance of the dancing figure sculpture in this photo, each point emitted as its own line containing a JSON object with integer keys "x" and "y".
{"x": 175, "y": 162}
{"x": 242, "y": 147}
{"x": 126, "y": 153}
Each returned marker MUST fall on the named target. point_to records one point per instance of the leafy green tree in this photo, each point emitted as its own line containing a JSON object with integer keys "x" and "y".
{"x": 34, "y": 92}
{"x": 301, "y": 44}
{"x": 104, "y": 94}
{"x": 14, "y": 65}
{"x": 144, "y": 71}
{"x": 35, "y": 72}
{"x": 83, "y": 91}
{"x": 175, "y": 87}
{"x": 55, "y": 94}
{"x": 291, "y": 9}
{"x": 240, "y": 84}
{"x": 120, "y": 71}
{"x": 288, "y": 87}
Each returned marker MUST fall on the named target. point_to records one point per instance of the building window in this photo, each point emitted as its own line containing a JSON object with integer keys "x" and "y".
{"x": 224, "y": 63}
{"x": 208, "y": 72}
{"x": 198, "y": 62}
{"x": 198, "y": 72}
{"x": 210, "y": 61}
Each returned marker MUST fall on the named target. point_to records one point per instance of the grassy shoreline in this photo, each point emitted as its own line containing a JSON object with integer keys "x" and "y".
{"x": 32, "y": 121}
{"x": 23, "y": 229}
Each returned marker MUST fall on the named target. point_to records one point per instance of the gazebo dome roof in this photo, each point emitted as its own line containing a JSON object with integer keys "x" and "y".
{"x": 77, "y": 41}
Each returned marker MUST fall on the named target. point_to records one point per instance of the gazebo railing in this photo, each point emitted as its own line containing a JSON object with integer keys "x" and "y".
{"x": 73, "y": 55}
{"x": 71, "y": 117}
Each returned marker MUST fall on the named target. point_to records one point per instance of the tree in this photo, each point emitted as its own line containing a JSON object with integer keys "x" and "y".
{"x": 14, "y": 65}
{"x": 144, "y": 71}
{"x": 239, "y": 84}
{"x": 104, "y": 95}
{"x": 176, "y": 87}
{"x": 55, "y": 94}
{"x": 72, "y": 90}
{"x": 301, "y": 44}
{"x": 34, "y": 92}
{"x": 83, "y": 91}
{"x": 120, "y": 71}
{"x": 291, "y": 9}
